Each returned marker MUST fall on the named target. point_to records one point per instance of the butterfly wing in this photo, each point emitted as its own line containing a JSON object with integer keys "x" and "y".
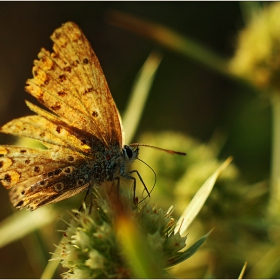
{"x": 39, "y": 177}
{"x": 71, "y": 83}
{"x": 50, "y": 134}
{"x": 51, "y": 187}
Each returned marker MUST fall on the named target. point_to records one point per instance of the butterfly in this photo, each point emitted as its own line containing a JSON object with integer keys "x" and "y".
{"x": 82, "y": 132}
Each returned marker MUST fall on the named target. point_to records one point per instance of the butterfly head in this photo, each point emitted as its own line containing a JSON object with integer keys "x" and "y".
{"x": 130, "y": 153}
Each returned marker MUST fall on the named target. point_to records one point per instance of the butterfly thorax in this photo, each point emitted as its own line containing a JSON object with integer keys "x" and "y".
{"x": 113, "y": 164}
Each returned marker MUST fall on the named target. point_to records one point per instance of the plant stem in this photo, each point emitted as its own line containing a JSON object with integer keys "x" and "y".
{"x": 170, "y": 39}
{"x": 274, "y": 207}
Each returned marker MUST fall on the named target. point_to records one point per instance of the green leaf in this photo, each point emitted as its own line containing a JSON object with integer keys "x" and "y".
{"x": 182, "y": 256}
{"x": 199, "y": 199}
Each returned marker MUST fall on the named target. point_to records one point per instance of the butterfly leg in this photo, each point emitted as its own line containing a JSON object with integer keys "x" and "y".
{"x": 127, "y": 176}
{"x": 91, "y": 203}
{"x": 81, "y": 207}
{"x": 118, "y": 185}
{"x": 90, "y": 198}
{"x": 89, "y": 192}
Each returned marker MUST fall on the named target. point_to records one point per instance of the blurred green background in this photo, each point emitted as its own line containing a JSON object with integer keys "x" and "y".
{"x": 186, "y": 96}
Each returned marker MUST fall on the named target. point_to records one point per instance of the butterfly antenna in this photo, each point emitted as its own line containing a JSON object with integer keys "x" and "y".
{"x": 154, "y": 182}
{"x": 157, "y": 148}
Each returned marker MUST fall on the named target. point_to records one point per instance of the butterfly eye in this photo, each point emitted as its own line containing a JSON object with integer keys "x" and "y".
{"x": 127, "y": 151}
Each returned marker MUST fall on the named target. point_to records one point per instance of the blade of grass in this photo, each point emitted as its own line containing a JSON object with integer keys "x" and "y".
{"x": 241, "y": 275}
{"x": 21, "y": 223}
{"x": 273, "y": 206}
{"x": 198, "y": 200}
{"x": 139, "y": 95}
{"x": 136, "y": 251}
{"x": 52, "y": 264}
{"x": 50, "y": 269}
{"x": 268, "y": 264}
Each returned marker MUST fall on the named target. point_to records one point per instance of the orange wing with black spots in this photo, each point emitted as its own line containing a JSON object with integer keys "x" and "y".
{"x": 85, "y": 124}
{"x": 71, "y": 83}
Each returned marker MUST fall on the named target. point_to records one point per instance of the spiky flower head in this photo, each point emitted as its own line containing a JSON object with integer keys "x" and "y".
{"x": 257, "y": 57}
{"x": 120, "y": 239}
